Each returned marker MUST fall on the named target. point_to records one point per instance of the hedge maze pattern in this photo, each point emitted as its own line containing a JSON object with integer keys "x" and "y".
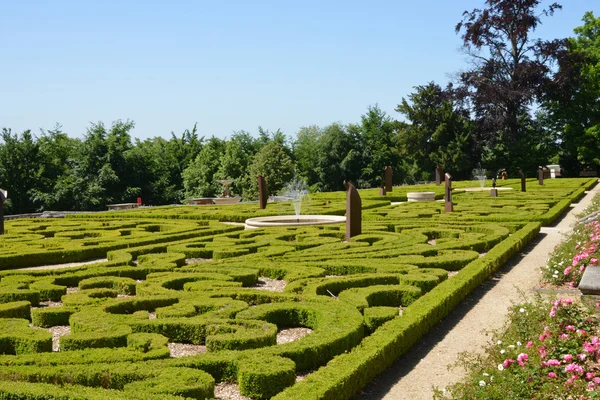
{"x": 177, "y": 275}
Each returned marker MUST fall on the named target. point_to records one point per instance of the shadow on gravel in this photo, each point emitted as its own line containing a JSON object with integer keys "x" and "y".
{"x": 382, "y": 384}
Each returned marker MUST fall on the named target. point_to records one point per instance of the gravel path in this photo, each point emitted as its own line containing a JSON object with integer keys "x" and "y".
{"x": 61, "y": 266}
{"x": 272, "y": 285}
{"x": 463, "y": 330}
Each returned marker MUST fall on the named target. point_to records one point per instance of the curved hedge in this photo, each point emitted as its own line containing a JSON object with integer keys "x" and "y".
{"x": 174, "y": 276}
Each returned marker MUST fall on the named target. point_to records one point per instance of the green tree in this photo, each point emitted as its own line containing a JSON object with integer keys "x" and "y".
{"x": 20, "y": 170}
{"x": 199, "y": 178}
{"x": 572, "y": 103}
{"x": 380, "y": 147}
{"x": 438, "y": 132}
{"x": 307, "y": 151}
{"x": 236, "y": 159}
{"x": 339, "y": 157}
{"x": 57, "y": 151}
{"x": 275, "y": 165}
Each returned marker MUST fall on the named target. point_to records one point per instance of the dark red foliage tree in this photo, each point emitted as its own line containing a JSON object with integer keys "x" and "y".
{"x": 509, "y": 68}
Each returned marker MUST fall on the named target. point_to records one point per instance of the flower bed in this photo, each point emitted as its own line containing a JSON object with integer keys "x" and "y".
{"x": 550, "y": 350}
{"x": 574, "y": 255}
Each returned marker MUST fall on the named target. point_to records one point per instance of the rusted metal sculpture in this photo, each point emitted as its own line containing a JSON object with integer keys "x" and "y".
{"x": 448, "y": 206}
{"x": 523, "y": 181}
{"x": 388, "y": 178}
{"x": 439, "y": 175}
{"x": 353, "y": 211}
{"x": 262, "y": 192}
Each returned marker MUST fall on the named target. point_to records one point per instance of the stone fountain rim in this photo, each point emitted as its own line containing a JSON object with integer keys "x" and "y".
{"x": 260, "y": 222}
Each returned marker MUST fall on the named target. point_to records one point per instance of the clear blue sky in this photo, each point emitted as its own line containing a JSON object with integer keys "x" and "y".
{"x": 227, "y": 65}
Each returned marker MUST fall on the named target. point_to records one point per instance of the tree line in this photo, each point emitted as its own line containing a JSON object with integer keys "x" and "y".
{"x": 520, "y": 103}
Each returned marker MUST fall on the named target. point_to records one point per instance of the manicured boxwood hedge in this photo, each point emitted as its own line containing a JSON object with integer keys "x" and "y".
{"x": 173, "y": 274}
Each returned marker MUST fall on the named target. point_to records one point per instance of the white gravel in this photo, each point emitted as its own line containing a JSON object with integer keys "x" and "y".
{"x": 66, "y": 265}
{"x": 183, "y": 350}
{"x": 197, "y": 260}
{"x": 272, "y": 285}
{"x": 57, "y": 332}
{"x": 292, "y": 334}
{"x": 228, "y": 391}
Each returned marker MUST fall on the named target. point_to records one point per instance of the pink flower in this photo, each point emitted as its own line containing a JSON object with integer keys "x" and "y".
{"x": 589, "y": 348}
{"x": 568, "y": 270}
{"x": 522, "y": 359}
{"x": 552, "y": 313}
{"x": 581, "y": 356}
{"x": 573, "y": 367}
{"x": 564, "y": 336}
{"x": 551, "y": 375}
{"x": 567, "y": 301}
{"x": 594, "y": 261}
{"x": 551, "y": 363}
{"x": 596, "y": 380}
{"x": 529, "y": 344}
{"x": 581, "y": 332}
{"x": 508, "y": 362}
{"x": 568, "y": 357}
{"x": 570, "y": 328}
{"x": 589, "y": 375}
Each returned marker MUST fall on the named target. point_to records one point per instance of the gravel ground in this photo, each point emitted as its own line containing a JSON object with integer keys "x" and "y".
{"x": 302, "y": 376}
{"x": 72, "y": 290}
{"x": 273, "y": 285}
{"x": 67, "y": 265}
{"x": 197, "y": 260}
{"x": 292, "y": 334}
{"x": 228, "y": 391}
{"x": 182, "y": 349}
{"x": 464, "y": 329}
{"x": 49, "y": 304}
{"x": 57, "y": 332}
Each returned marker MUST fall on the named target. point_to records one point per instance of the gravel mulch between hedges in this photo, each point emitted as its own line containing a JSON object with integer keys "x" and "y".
{"x": 57, "y": 332}
{"x": 183, "y": 350}
{"x": 44, "y": 304}
{"x": 66, "y": 265}
{"x": 292, "y": 334}
{"x": 197, "y": 260}
{"x": 272, "y": 285}
{"x": 228, "y": 391}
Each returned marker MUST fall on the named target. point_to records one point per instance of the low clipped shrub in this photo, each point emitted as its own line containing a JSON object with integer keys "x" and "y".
{"x": 263, "y": 378}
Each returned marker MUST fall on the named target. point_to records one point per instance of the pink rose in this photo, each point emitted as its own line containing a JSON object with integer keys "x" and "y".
{"x": 568, "y": 357}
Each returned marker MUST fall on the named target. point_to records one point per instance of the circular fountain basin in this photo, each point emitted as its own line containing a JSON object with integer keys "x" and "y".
{"x": 293, "y": 220}
{"x": 226, "y": 200}
{"x": 420, "y": 196}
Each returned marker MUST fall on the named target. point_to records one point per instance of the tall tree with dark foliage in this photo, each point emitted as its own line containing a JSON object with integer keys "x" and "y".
{"x": 510, "y": 68}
